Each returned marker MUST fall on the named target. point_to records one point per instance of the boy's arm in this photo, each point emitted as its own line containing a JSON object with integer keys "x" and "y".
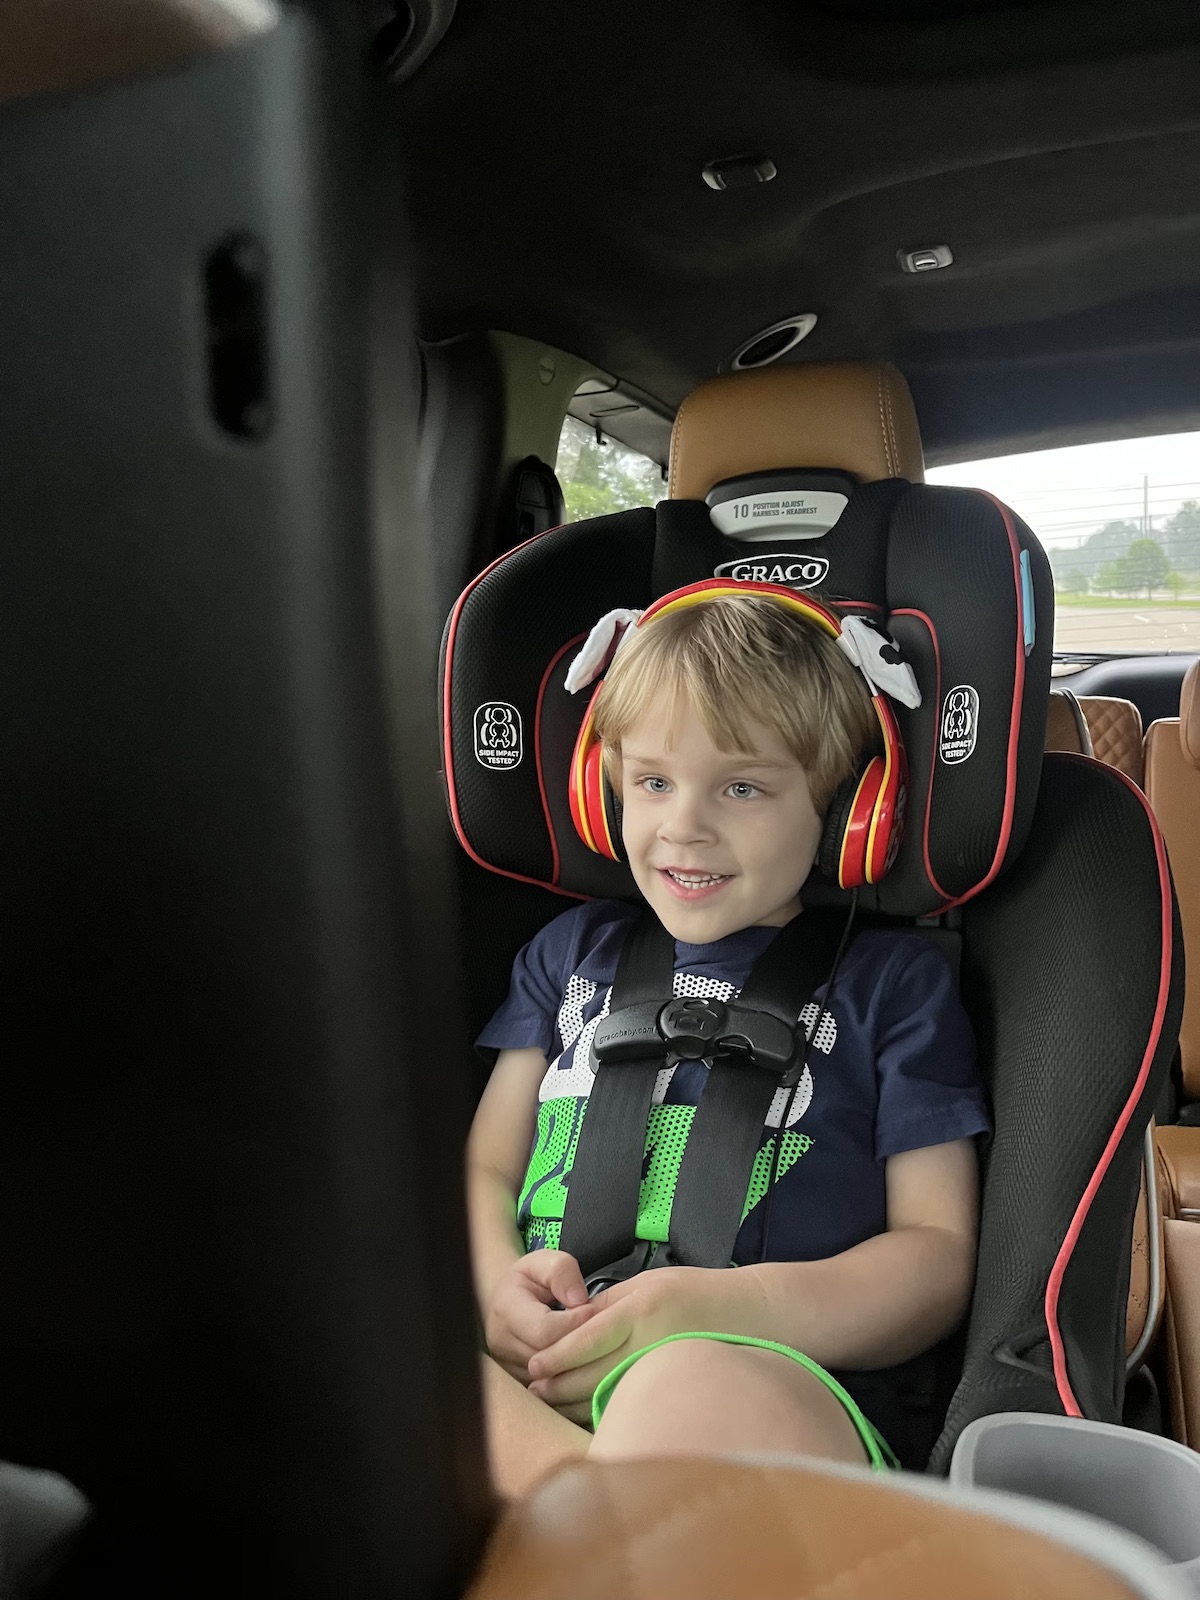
{"x": 517, "y": 1293}
{"x": 875, "y": 1305}
{"x": 497, "y": 1151}
{"x": 891, "y": 1297}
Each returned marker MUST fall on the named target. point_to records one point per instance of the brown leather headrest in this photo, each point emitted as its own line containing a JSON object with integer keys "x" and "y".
{"x": 854, "y": 417}
{"x": 1189, "y": 714}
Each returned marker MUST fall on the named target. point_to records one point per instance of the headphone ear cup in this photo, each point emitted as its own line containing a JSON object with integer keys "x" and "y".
{"x": 837, "y": 815}
{"x": 846, "y": 843}
{"x": 614, "y": 814}
{"x": 595, "y": 807}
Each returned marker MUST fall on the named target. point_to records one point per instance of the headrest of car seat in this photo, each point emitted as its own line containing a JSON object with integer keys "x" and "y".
{"x": 1189, "y": 714}
{"x": 961, "y": 583}
{"x": 852, "y": 417}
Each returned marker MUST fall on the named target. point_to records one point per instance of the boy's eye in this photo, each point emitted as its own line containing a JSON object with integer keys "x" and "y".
{"x": 743, "y": 791}
{"x": 654, "y": 785}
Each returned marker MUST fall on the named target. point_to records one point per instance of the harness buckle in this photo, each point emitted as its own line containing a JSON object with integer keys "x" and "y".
{"x": 691, "y": 1028}
{"x": 620, "y": 1271}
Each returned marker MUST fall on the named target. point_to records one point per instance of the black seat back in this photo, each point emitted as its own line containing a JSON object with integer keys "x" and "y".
{"x": 236, "y": 1297}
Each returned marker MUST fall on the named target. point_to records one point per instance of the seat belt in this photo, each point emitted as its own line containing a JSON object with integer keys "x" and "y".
{"x": 726, "y": 1131}
{"x": 599, "y": 1226}
{"x": 754, "y": 1047}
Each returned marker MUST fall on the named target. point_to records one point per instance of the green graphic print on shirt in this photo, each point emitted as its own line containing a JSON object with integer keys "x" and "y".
{"x": 543, "y": 1196}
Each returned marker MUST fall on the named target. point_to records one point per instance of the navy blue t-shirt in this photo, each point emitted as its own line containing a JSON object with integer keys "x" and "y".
{"x": 891, "y": 1068}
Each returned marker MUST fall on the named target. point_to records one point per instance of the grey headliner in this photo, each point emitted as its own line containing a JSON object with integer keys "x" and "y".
{"x": 555, "y": 151}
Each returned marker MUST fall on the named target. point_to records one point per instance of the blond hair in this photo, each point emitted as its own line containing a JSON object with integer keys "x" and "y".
{"x": 741, "y": 660}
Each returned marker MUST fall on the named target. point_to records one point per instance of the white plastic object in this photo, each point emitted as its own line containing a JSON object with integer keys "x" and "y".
{"x": 1148, "y": 1486}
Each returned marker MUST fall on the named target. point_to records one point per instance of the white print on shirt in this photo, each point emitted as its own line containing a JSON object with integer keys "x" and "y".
{"x": 576, "y": 1080}
{"x": 570, "y": 1013}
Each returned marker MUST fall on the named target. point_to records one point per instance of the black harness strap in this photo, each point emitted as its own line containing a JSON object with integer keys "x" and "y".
{"x": 604, "y": 1184}
{"x": 726, "y": 1131}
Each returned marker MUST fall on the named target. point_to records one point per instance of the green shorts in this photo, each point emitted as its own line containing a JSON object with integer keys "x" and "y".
{"x": 878, "y": 1452}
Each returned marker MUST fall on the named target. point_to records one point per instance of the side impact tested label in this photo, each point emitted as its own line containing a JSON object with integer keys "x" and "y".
{"x": 960, "y": 723}
{"x": 498, "y": 742}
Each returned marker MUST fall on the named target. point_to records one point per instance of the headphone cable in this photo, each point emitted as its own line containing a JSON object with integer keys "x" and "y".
{"x": 809, "y": 1036}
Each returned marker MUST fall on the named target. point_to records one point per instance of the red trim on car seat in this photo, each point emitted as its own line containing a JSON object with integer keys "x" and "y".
{"x": 1014, "y": 721}
{"x": 447, "y": 746}
{"x": 909, "y": 611}
{"x": 1054, "y": 1283}
{"x": 537, "y": 751}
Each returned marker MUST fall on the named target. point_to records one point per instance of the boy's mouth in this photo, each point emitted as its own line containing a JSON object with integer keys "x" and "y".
{"x": 686, "y": 885}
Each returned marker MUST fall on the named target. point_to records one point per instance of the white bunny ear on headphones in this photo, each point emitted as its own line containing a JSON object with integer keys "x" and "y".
{"x": 876, "y": 655}
{"x": 599, "y": 648}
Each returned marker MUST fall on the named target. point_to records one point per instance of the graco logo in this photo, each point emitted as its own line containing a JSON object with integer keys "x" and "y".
{"x": 796, "y": 572}
{"x": 960, "y": 723}
{"x": 498, "y": 736}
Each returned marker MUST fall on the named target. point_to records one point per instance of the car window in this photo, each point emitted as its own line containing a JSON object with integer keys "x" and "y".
{"x": 1120, "y": 522}
{"x": 599, "y": 475}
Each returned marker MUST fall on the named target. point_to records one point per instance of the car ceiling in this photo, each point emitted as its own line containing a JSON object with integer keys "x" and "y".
{"x": 555, "y": 153}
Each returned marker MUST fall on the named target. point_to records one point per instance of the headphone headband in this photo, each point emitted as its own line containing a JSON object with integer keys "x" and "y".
{"x": 718, "y": 588}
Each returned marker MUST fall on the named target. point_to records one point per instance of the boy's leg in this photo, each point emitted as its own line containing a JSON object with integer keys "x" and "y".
{"x": 700, "y": 1397}
{"x": 526, "y": 1437}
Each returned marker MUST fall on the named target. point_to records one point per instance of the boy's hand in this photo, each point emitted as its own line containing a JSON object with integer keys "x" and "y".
{"x": 624, "y": 1319}
{"x": 521, "y": 1320}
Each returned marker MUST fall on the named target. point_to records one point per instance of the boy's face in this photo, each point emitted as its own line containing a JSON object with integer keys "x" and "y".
{"x": 716, "y": 841}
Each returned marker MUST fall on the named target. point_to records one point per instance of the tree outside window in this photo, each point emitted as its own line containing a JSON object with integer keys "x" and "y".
{"x": 599, "y": 475}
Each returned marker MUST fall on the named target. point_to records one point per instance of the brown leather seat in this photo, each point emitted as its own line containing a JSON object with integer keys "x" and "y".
{"x": 1115, "y": 727}
{"x": 1103, "y": 726}
{"x": 689, "y": 1529}
{"x": 1172, "y": 756}
{"x": 852, "y": 416}
{"x": 1173, "y": 787}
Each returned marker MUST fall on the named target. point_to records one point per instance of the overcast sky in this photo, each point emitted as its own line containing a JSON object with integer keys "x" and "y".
{"x": 1064, "y": 494}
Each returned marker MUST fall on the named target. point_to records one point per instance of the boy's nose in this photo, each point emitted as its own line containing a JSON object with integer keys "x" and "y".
{"x": 686, "y": 822}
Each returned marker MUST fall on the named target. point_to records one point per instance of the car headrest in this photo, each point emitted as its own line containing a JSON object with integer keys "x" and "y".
{"x": 1189, "y": 714}
{"x": 960, "y": 582}
{"x": 851, "y": 417}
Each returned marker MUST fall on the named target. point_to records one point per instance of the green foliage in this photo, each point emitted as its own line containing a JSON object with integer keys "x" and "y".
{"x": 1181, "y": 537}
{"x": 1145, "y": 566}
{"x": 1073, "y": 581}
{"x": 599, "y": 478}
{"x": 1107, "y": 544}
{"x": 1111, "y": 578}
{"x": 583, "y": 500}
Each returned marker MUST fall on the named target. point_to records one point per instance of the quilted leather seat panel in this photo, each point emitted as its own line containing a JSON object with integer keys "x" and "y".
{"x": 1116, "y": 730}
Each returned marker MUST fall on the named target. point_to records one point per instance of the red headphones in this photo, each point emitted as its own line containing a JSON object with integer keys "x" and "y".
{"x": 865, "y": 819}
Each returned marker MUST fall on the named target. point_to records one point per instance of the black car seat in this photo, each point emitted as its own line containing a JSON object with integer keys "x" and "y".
{"x": 1109, "y": 729}
{"x": 1070, "y": 973}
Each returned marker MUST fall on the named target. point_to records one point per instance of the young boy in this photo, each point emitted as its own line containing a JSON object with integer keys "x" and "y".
{"x": 726, "y": 727}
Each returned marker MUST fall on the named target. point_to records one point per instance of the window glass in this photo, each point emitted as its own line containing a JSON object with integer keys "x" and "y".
{"x": 1120, "y": 523}
{"x": 601, "y": 475}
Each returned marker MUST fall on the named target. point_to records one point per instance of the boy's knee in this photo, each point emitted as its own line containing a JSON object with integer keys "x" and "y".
{"x": 700, "y": 1394}
{"x": 678, "y": 1371}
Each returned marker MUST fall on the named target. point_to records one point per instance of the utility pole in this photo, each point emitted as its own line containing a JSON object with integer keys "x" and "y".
{"x": 1146, "y": 506}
